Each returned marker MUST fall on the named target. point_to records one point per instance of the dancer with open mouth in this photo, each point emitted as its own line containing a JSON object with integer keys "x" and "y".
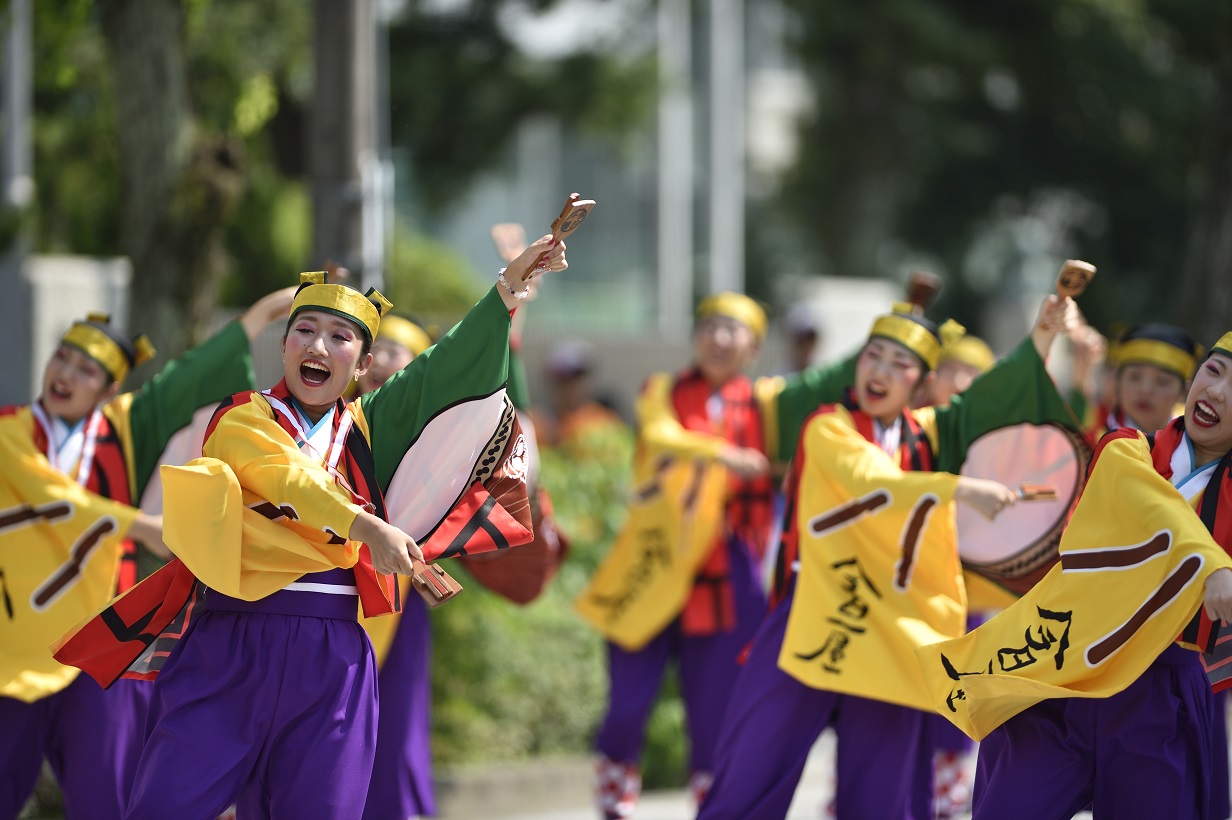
{"x": 297, "y": 516}
{"x": 1128, "y": 732}
{"x": 867, "y": 570}
{"x": 78, "y": 462}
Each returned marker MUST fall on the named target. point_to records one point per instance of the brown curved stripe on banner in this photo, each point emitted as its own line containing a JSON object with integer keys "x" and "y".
{"x": 67, "y": 573}
{"x": 1184, "y": 573}
{"x": 694, "y": 488}
{"x": 911, "y": 539}
{"x": 1119, "y": 557}
{"x": 852, "y": 509}
{"x": 47, "y": 512}
{"x": 653, "y": 487}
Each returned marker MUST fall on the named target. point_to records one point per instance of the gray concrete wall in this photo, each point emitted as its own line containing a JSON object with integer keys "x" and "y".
{"x": 42, "y": 297}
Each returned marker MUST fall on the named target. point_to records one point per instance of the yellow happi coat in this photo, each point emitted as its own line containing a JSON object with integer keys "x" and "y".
{"x": 1134, "y": 560}
{"x": 879, "y": 573}
{"x": 60, "y": 541}
{"x": 58, "y": 559}
{"x": 675, "y": 517}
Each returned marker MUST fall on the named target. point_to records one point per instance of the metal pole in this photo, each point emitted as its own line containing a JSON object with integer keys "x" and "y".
{"x": 18, "y": 155}
{"x": 17, "y": 189}
{"x": 675, "y": 169}
{"x": 342, "y": 137}
{"x": 727, "y": 124}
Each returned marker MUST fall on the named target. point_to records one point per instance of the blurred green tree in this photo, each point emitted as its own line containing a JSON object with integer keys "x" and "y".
{"x": 172, "y": 131}
{"x": 938, "y": 122}
{"x": 1206, "y": 289}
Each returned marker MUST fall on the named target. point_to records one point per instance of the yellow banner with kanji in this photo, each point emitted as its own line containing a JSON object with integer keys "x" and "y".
{"x": 1134, "y": 560}
{"x": 879, "y": 570}
{"x": 675, "y": 520}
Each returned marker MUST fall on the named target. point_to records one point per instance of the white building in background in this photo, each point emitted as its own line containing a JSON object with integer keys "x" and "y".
{"x": 669, "y": 223}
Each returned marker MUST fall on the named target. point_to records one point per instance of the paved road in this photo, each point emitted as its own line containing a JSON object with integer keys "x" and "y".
{"x": 570, "y": 798}
{"x": 810, "y": 802}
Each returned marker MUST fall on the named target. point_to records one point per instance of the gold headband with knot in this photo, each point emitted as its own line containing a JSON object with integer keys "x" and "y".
{"x": 406, "y": 333}
{"x": 100, "y": 346}
{"x": 969, "y": 350}
{"x": 366, "y": 308}
{"x": 900, "y": 327}
{"x": 1163, "y": 355}
{"x": 735, "y": 306}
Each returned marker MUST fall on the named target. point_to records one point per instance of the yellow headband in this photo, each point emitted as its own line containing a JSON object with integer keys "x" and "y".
{"x": 95, "y": 343}
{"x": 406, "y": 333}
{"x": 969, "y": 350}
{"x": 1160, "y": 354}
{"x": 1224, "y": 345}
{"x": 315, "y": 294}
{"x": 899, "y": 327}
{"x": 735, "y": 306}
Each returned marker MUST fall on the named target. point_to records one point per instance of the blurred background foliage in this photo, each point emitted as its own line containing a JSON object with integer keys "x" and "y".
{"x": 967, "y": 138}
{"x": 514, "y": 681}
{"x": 946, "y": 132}
{"x": 249, "y": 63}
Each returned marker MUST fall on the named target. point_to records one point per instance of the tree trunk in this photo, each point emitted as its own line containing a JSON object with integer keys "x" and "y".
{"x": 178, "y": 184}
{"x": 1206, "y": 288}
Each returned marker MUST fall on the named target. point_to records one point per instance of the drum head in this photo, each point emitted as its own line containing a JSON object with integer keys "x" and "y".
{"x": 1024, "y": 537}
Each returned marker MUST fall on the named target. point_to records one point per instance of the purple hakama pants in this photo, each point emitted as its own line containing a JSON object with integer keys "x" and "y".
{"x": 1221, "y": 799}
{"x": 91, "y": 737}
{"x": 708, "y": 667}
{"x": 274, "y": 712}
{"x": 401, "y": 784}
{"x": 771, "y": 723}
{"x": 1144, "y": 752}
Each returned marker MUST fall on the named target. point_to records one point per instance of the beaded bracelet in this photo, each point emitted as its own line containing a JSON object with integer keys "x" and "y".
{"x": 516, "y": 294}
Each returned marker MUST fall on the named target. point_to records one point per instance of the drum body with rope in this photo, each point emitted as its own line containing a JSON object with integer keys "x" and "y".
{"x": 1019, "y": 546}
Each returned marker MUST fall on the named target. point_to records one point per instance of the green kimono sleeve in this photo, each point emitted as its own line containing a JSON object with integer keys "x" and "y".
{"x": 470, "y": 361}
{"x": 1078, "y": 402}
{"x": 1016, "y": 390}
{"x": 519, "y": 385}
{"x": 804, "y": 392}
{"x": 208, "y": 373}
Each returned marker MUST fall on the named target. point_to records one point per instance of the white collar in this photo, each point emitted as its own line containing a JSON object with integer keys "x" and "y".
{"x": 888, "y": 438}
{"x": 70, "y": 446}
{"x": 1185, "y": 478}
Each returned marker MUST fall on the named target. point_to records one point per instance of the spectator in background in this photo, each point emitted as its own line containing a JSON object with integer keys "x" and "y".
{"x": 804, "y": 337}
{"x": 573, "y": 413}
